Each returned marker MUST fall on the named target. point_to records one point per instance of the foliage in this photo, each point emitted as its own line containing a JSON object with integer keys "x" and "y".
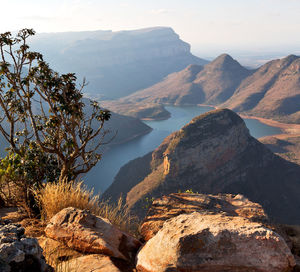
{"x": 20, "y": 172}
{"x": 54, "y": 197}
{"x": 147, "y": 203}
{"x": 45, "y": 109}
{"x": 188, "y": 191}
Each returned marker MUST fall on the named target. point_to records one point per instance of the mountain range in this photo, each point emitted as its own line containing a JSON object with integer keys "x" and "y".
{"x": 213, "y": 84}
{"x": 116, "y": 63}
{"x": 272, "y": 91}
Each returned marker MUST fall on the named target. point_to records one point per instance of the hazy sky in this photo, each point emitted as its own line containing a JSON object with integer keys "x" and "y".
{"x": 205, "y": 24}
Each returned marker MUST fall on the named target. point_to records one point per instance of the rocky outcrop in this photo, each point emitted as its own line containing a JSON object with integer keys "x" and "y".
{"x": 84, "y": 232}
{"x": 18, "y": 253}
{"x": 117, "y": 63}
{"x": 170, "y": 206}
{"x": 213, "y": 154}
{"x": 214, "y": 242}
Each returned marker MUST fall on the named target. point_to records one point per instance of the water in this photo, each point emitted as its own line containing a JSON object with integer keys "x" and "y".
{"x": 102, "y": 175}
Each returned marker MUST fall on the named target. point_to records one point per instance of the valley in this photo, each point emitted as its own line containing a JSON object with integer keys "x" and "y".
{"x": 150, "y": 136}
{"x": 103, "y": 174}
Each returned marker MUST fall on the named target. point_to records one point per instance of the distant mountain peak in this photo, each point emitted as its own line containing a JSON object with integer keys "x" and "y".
{"x": 224, "y": 61}
{"x": 289, "y": 59}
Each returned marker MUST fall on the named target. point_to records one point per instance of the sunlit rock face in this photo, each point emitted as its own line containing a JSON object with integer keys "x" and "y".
{"x": 215, "y": 153}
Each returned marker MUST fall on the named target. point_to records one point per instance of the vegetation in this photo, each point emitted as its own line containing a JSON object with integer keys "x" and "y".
{"x": 52, "y": 134}
{"x": 54, "y": 197}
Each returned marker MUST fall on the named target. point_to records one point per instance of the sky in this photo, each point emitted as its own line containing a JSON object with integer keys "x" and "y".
{"x": 208, "y": 25}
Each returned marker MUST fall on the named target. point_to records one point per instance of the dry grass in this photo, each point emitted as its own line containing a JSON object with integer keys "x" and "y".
{"x": 56, "y": 196}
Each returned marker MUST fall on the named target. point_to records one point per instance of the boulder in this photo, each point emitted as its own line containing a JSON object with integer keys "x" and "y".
{"x": 56, "y": 252}
{"x": 87, "y": 233}
{"x": 214, "y": 242}
{"x": 173, "y": 205}
{"x": 18, "y": 253}
{"x": 90, "y": 263}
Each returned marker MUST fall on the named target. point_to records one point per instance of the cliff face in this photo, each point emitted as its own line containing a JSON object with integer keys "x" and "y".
{"x": 117, "y": 63}
{"x": 215, "y": 153}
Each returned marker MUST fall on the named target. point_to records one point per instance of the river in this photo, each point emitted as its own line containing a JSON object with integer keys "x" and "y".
{"x": 102, "y": 175}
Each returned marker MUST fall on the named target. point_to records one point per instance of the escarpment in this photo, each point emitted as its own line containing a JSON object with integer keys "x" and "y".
{"x": 215, "y": 153}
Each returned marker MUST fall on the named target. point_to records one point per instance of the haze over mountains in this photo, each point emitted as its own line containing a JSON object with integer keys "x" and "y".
{"x": 212, "y": 84}
{"x": 117, "y": 63}
{"x": 272, "y": 91}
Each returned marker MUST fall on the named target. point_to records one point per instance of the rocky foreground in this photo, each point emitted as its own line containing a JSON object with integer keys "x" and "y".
{"x": 182, "y": 232}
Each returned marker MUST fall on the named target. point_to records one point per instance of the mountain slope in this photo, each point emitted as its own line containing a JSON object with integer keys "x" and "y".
{"x": 213, "y": 84}
{"x": 273, "y": 91}
{"x": 215, "y": 153}
{"x": 117, "y": 63}
{"x": 121, "y": 129}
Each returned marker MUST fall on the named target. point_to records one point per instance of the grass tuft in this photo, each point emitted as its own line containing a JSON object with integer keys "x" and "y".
{"x": 54, "y": 197}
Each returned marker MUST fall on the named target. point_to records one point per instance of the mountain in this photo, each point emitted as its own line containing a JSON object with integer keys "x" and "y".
{"x": 213, "y": 84}
{"x": 150, "y": 111}
{"x": 125, "y": 128}
{"x": 273, "y": 91}
{"x": 214, "y": 153}
{"x": 116, "y": 63}
{"x": 121, "y": 129}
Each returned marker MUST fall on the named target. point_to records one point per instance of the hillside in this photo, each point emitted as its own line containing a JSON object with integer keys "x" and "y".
{"x": 121, "y": 129}
{"x": 213, "y": 84}
{"x": 285, "y": 146}
{"x": 273, "y": 91}
{"x": 125, "y": 128}
{"x": 116, "y": 63}
{"x": 215, "y": 153}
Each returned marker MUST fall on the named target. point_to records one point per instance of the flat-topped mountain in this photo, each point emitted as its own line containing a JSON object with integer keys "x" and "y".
{"x": 214, "y": 153}
{"x": 213, "y": 84}
{"x": 117, "y": 63}
{"x": 273, "y": 91}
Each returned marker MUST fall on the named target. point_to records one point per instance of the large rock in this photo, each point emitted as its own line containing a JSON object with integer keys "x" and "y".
{"x": 56, "y": 252}
{"x": 214, "y": 242}
{"x": 18, "y": 253}
{"x": 88, "y": 233}
{"x": 173, "y": 205}
{"x": 91, "y": 263}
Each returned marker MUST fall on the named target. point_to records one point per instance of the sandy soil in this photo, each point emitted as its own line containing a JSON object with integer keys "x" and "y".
{"x": 289, "y": 130}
